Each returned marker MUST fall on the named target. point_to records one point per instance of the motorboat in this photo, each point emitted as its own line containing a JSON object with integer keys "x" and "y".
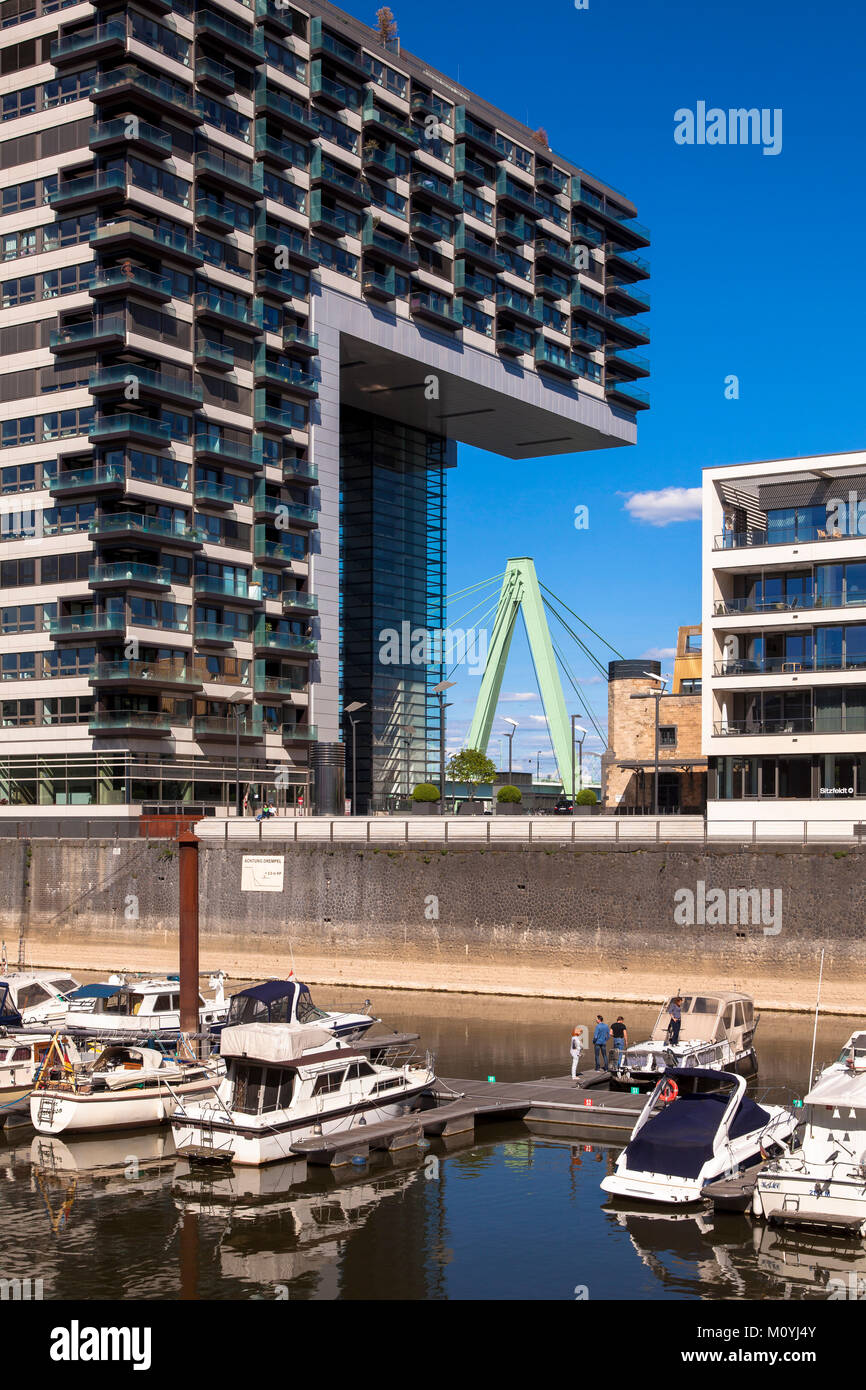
{"x": 716, "y": 1034}
{"x": 139, "y": 1008}
{"x": 124, "y": 1087}
{"x": 39, "y": 996}
{"x": 696, "y": 1126}
{"x": 286, "y": 1082}
{"x": 822, "y": 1182}
{"x": 289, "y": 1001}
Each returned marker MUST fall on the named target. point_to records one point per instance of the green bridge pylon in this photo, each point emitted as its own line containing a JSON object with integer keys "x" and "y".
{"x": 520, "y": 593}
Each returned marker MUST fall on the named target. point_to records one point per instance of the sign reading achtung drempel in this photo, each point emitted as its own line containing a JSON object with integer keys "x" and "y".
{"x": 262, "y": 873}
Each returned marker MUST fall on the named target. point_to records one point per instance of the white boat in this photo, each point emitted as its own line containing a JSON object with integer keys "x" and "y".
{"x": 696, "y": 1126}
{"x": 716, "y": 1034}
{"x": 285, "y": 1082}
{"x": 823, "y": 1181}
{"x": 139, "y": 1008}
{"x": 39, "y": 996}
{"x": 123, "y": 1087}
{"x": 289, "y": 1001}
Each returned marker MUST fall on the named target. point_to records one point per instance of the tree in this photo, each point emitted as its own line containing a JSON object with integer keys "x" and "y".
{"x": 425, "y": 791}
{"x": 386, "y": 26}
{"x": 473, "y": 767}
{"x": 541, "y": 137}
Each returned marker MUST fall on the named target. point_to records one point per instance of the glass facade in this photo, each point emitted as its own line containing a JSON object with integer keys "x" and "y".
{"x": 392, "y": 514}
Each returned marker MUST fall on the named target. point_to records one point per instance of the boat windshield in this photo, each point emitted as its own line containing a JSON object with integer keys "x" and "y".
{"x": 853, "y": 1053}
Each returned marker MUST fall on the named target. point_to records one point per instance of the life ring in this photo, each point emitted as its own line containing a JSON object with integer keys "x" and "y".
{"x": 669, "y": 1091}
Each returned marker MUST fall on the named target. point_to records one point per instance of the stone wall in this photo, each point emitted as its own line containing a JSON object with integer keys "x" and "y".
{"x": 559, "y": 921}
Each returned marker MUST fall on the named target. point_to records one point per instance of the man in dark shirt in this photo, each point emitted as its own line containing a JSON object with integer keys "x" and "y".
{"x": 676, "y": 1018}
{"x": 619, "y": 1032}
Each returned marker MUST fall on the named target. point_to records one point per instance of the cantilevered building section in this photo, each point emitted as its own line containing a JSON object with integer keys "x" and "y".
{"x": 245, "y": 247}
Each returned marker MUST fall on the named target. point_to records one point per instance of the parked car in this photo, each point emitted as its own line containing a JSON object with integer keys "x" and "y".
{"x": 564, "y": 807}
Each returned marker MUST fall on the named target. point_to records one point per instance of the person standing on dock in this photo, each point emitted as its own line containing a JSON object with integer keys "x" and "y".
{"x": 620, "y": 1041}
{"x": 576, "y": 1046}
{"x": 599, "y": 1042}
{"x": 676, "y": 1018}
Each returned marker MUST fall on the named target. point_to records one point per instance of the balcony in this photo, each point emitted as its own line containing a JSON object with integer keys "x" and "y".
{"x": 111, "y": 279}
{"x": 121, "y": 134}
{"x": 295, "y": 244}
{"x": 627, "y": 361}
{"x": 388, "y": 123}
{"x": 212, "y": 304}
{"x": 231, "y": 173}
{"x": 129, "y": 574}
{"x": 136, "y": 527}
{"x": 323, "y": 170}
{"x": 107, "y": 429}
{"x": 467, "y": 127}
{"x": 217, "y": 634}
{"x": 806, "y": 725}
{"x": 628, "y": 298}
{"x": 619, "y": 259}
{"x": 229, "y": 590}
{"x": 514, "y": 341}
{"x": 296, "y": 602}
{"x": 469, "y": 169}
{"x": 508, "y": 190}
{"x": 273, "y": 640}
{"x": 438, "y": 308}
{"x": 297, "y": 339}
{"x": 86, "y": 624}
{"x": 382, "y": 159}
{"x": 103, "y": 187}
{"x": 299, "y": 733}
{"x": 283, "y": 552}
{"x": 129, "y": 722}
{"x": 338, "y": 94}
{"x": 551, "y": 178}
{"x": 281, "y": 375}
{"x": 340, "y": 221}
{"x": 379, "y": 285}
{"x": 220, "y": 450}
{"x": 273, "y": 417}
{"x": 278, "y": 15}
{"x": 520, "y": 305}
{"x": 516, "y": 229}
{"x": 121, "y": 234}
{"x": 99, "y": 41}
{"x": 228, "y": 727}
{"x": 438, "y": 189}
{"x": 248, "y": 43}
{"x": 280, "y": 151}
{"x": 299, "y": 471}
{"x": 214, "y": 357}
{"x": 466, "y": 243}
{"x": 802, "y": 533}
{"x": 556, "y": 251}
{"x": 211, "y": 74}
{"x": 472, "y": 284}
{"x": 276, "y": 686}
{"x": 428, "y": 227}
{"x": 626, "y": 391}
{"x": 287, "y": 110}
{"x": 557, "y": 359}
{"x": 552, "y": 286}
{"x": 586, "y": 335}
{"x": 214, "y": 494}
{"x": 168, "y": 675}
{"x": 126, "y": 83}
{"x": 163, "y": 385}
{"x": 80, "y": 482}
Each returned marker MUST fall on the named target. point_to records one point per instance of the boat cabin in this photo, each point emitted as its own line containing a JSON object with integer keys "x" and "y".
{"x": 712, "y": 1018}
{"x": 275, "y": 1001}
{"x": 37, "y": 996}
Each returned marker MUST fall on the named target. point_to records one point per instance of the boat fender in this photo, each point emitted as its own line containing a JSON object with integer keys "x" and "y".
{"x": 669, "y": 1091}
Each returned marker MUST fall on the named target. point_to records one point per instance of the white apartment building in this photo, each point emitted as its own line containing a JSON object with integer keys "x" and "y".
{"x": 784, "y": 660}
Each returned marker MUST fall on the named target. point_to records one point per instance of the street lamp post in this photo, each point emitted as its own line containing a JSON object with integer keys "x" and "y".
{"x": 439, "y": 692}
{"x": 654, "y": 695}
{"x": 239, "y": 698}
{"x": 576, "y": 728}
{"x": 510, "y": 737}
{"x": 350, "y": 710}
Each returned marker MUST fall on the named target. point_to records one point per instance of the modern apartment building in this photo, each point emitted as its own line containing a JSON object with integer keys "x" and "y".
{"x": 262, "y": 272}
{"x": 784, "y": 659}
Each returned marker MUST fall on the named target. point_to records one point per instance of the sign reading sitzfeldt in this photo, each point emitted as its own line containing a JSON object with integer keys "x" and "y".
{"x": 262, "y": 873}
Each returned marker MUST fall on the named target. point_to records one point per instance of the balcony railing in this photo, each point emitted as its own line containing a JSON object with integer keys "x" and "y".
{"x": 87, "y": 187}
{"x": 229, "y": 449}
{"x": 789, "y": 604}
{"x": 87, "y": 622}
{"x": 98, "y": 36}
{"x": 113, "y": 132}
{"x": 251, "y": 42}
{"x": 130, "y": 277}
{"x": 82, "y": 478}
{"x": 163, "y": 383}
{"x": 224, "y": 633}
{"x": 214, "y": 354}
{"x": 157, "y": 526}
{"x": 294, "y": 600}
{"x": 782, "y": 535}
{"x": 206, "y": 491}
{"x": 284, "y": 641}
{"x": 784, "y": 666}
{"x": 118, "y": 720}
{"x": 300, "y": 733}
{"x": 227, "y": 726}
{"x": 160, "y": 672}
{"x": 210, "y": 301}
{"x": 772, "y": 726}
{"x": 168, "y": 93}
{"x": 433, "y": 305}
{"x": 225, "y": 588}
{"x": 129, "y": 573}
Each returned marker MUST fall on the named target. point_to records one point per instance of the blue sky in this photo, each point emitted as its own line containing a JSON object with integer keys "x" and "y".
{"x": 757, "y": 271}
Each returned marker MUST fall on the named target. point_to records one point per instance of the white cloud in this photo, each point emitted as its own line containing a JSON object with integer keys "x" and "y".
{"x": 589, "y": 680}
{"x": 518, "y": 697}
{"x": 658, "y": 654}
{"x": 665, "y": 506}
{"x": 536, "y": 719}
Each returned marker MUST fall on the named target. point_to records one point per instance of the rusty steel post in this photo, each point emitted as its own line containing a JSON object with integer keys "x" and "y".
{"x": 187, "y": 844}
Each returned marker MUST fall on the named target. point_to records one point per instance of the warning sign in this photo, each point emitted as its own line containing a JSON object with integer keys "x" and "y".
{"x": 262, "y": 873}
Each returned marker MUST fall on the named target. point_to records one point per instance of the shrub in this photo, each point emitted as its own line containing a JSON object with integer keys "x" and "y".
{"x": 425, "y": 791}
{"x": 586, "y": 797}
{"x": 510, "y": 795}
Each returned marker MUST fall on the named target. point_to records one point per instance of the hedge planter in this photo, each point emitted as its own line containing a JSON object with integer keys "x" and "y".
{"x": 425, "y": 808}
{"x": 509, "y": 808}
{"x": 470, "y": 808}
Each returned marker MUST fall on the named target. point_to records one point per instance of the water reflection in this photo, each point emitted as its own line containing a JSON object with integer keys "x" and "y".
{"x": 504, "y": 1215}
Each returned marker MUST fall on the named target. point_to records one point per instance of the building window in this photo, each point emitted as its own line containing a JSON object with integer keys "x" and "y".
{"x": 690, "y": 687}
{"x": 667, "y": 736}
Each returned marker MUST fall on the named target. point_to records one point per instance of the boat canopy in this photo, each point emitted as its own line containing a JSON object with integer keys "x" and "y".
{"x": 9, "y": 1015}
{"x": 275, "y": 1001}
{"x": 840, "y": 1090}
{"x": 267, "y": 1042}
{"x": 679, "y": 1140}
{"x": 95, "y": 991}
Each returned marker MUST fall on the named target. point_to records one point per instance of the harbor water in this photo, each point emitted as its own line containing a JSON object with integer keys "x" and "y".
{"x": 502, "y": 1215}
